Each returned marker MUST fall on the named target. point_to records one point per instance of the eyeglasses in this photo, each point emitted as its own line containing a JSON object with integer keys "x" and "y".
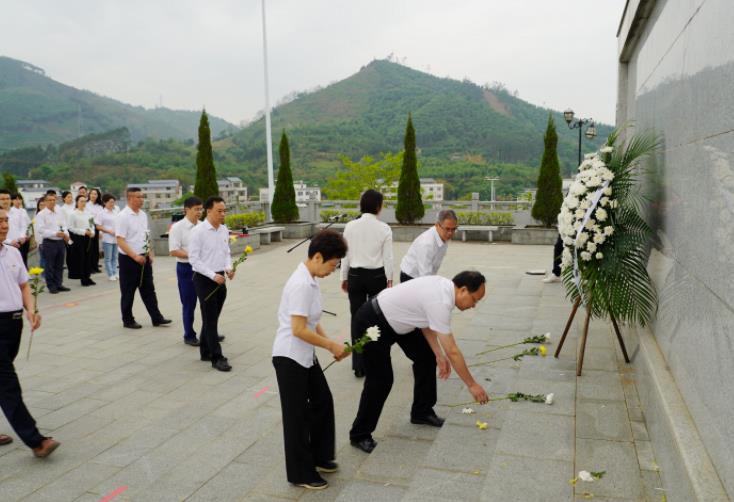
{"x": 450, "y": 230}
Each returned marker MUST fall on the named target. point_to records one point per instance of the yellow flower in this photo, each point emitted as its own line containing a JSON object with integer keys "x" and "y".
{"x": 543, "y": 351}
{"x": 232, "y": 239}
{"x": 33, "y": 221}
{"x": 482, "y": 425}
{"x": 35, "y": 271}
{"x": 248, "y": 249}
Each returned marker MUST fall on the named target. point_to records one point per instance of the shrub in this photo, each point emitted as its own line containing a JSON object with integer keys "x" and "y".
{"x": 251, "y": 219}
{"x": 325, "y": 214}
{"x": 482, "y": 218}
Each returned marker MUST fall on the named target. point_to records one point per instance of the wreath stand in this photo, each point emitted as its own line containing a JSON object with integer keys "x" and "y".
{"x": 580, "y": 360}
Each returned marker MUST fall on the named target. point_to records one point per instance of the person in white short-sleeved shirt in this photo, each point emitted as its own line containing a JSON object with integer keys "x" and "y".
{"x": 305, "y": 398}
{"x": 417, "y": 316}
{"x": 427, "y": 251}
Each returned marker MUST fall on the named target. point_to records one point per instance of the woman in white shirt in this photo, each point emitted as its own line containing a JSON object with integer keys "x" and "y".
{"x": 67, "y": 208}
{"x": 81, "y": 225}
{"x": 95, "y": 207}
{"x": 106, "y": 225}
{"x": 367, "y": 268}
{"x": 305, "y": 398}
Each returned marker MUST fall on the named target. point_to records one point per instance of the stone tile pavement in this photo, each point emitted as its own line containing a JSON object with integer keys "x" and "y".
{"x": 141, "y": 419}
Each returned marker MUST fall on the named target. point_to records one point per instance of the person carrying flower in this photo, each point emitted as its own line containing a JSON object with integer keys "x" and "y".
{"x": 305, "y": 398}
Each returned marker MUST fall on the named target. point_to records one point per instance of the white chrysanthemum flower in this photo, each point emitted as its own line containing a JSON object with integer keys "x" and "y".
{"x": 549, "y": 398}
{"x": 599, "y": 255}
{"x": 568, "y": 241}
{"x": 467, "y": 411}
{"x": 590, "y": 223}
{"x": 582, "y": 238}
{"x": 585, "y": 204}
{"x": 606, "y": 174}
{"x": 572, "y": 202}
{"x": 599, "y": 238}
{"x": 608, "y": 230}
{"x": 547, "y": 337}
{"x": 373, "y": 333}
{"x": 589, "y": 156}
{"x": 601, "y": 214}
{"x": 579, "y": 213}
{"x": 608, "y": 191}
{"x": 586, "y": 256}
{"x": 604, "y": 201}
{"x": 577, "y": 188}
{"x": 566, "y": 253}
{"x": 594, "y": 181}
{"x": 591, "y": 247}
{"x": 586, "y": 476}
{"x": 614, "y": 204}
{"x": 606, "y": 149}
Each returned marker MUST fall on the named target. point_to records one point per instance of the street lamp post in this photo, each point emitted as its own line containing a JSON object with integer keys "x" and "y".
{"x": 491, "y": 180}
{"x": 578, "y": 124}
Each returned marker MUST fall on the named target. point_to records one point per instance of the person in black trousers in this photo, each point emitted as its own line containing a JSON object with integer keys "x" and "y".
{"x": 136, "y": 261}
{"x": 52, "y": 227}
{"x": 367, "y": 268}
{"x": 14, "y": 297}
{"x": 555, "y": 275}
{"x": 305, "y": 398}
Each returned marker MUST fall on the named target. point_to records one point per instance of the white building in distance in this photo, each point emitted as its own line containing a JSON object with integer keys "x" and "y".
{"x": 232, "y": 190}
{"x": 32, "y": 190}
{"x": 430, "y": 189}
{"x": 159, "y": 194}
{"x": 304, "y": 193}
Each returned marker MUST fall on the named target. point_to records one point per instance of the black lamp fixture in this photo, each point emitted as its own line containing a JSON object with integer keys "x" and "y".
{"x": 590, "y": 133}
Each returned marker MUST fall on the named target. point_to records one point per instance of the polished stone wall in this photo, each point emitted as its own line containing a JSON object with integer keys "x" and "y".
{"x": 677, "y": 78}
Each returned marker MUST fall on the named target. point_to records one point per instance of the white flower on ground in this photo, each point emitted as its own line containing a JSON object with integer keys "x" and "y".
{"x": 601, "y": 214}
{"x": 608, "y": 230}
{"x": 547, "y": 337}
{"x": 606, "y": 149}
{"x": 586, "y": 476}
{"x": 599, "y": 256}
{"x": 549, "y": 398}
{"x": 467, "y": 411}
{"x": 373, "y": 333}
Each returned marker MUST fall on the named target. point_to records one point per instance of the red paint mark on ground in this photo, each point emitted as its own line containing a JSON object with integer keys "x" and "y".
{"x": 71, "y": 304}
{"x": 114, "y": 494}
{"x": 262, "y": 391}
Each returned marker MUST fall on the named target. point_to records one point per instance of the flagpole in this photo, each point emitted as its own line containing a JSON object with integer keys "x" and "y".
{"x": 268, "y": 133}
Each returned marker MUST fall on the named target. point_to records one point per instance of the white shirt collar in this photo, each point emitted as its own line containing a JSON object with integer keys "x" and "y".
{"x": 439, "y": 240}
{"x": 306, "y": 274}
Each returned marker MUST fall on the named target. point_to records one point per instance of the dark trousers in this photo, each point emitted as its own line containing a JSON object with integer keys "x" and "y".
{"x": 78, "y": 257}
{"x": 379, "y": 376}
{"x": 362, "y": 284}
{"x": 11, "y": 397}
{"x": 308, "y": 418}
{"x": 24, "y": 250}
{"x": 404, "y": 277}
{"x": 557, "y": 252}
{"x": 72, "y": 265}
{"x": 94, "y": 253}
{"x": 209, "y": 345}
{"x": 187, "y": 293}
{"x": 130, "y": 272}
{"x": 53, "y": 255}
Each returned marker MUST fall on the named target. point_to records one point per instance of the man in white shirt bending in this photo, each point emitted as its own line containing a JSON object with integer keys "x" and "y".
{"x": 136, "y": 261}
{"x": 425, "y": 255}
{"x": 417, "y": 316}
{"x": 211, "y": 260}
{"x": 178, "y": 245}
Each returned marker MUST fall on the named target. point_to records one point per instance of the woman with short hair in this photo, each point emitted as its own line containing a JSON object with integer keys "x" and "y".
{"x": 81, "y": 225}
{"x": 106, "y": 226}
{"x": 95, "y": 207}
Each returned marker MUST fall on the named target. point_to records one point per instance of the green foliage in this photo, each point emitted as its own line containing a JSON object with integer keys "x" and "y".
{"x": 9, "y": 183}
{"x": 37, "y": 110}
{"x": 619, "y": 285}
{"x": 549, "y": 196}
{"x": 284, "y": 209}
{"x": 180, "y": 200}
{"x": 355, "y": 177}
{"x": 206, "y": 174}
{"x": 483, "y": 218}
{"x": 410, "y": 205}
{"x": 241, "y": 220}
{"x": 325, "y": 214}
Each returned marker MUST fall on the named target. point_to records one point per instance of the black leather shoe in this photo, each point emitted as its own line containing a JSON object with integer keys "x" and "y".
{"x": 63, "y": 288}
{"x": 318, "y": 484}
{"x": 221, "y": 365}
{"x": 221, "y": 338}
{"x": 432, "y": 420}
{"x": 162, "y": 322}
{"x": 366, "y": 445}
{"x": 329, "y": 466}
{"x": 191, "y": 341}
{"x": 359, "y": 373}
{"x": 132, "y": 325}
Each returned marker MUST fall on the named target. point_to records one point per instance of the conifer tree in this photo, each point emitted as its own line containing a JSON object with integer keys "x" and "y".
{"x": 549, "y": 195}
{"x": 410, "y": 204}
{"x": 9, "y": 183}
{"x": 284, "y": 209}
{"x": 206, "y": 174}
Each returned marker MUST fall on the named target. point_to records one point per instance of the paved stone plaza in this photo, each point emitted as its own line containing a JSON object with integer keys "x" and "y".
{"x": 140, "y": 418}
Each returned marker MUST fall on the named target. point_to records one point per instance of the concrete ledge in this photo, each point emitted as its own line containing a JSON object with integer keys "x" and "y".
{"x": 540, "y": 236}
{"x": 686, "y": 468}
{"x": 297, "y": 230}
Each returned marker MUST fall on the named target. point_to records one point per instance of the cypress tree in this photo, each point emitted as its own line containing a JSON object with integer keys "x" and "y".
{"x": 206, "y": 174}
{"x": 410, "y": 204}
{"x": 9, "y": 183}
{"x": 284, "y": 209}
{"x": 549, "y": 195}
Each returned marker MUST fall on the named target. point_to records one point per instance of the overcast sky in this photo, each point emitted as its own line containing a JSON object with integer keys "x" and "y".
{"x": 189, "y": 54}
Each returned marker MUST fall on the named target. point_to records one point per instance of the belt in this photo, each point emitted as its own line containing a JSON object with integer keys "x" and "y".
{"x": 14, "y": 315}
{"x": 376, "y": 308}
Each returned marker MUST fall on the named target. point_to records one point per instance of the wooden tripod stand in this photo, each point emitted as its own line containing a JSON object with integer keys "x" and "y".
{"x": 580, "y": 361}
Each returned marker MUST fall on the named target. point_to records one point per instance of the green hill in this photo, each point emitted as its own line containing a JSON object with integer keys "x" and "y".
{"x": 36, "y": 110}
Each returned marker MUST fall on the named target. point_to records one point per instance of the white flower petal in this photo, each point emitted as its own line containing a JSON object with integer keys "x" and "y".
{"x": 586, "y": 476}
{"x": 549, "y": 398}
